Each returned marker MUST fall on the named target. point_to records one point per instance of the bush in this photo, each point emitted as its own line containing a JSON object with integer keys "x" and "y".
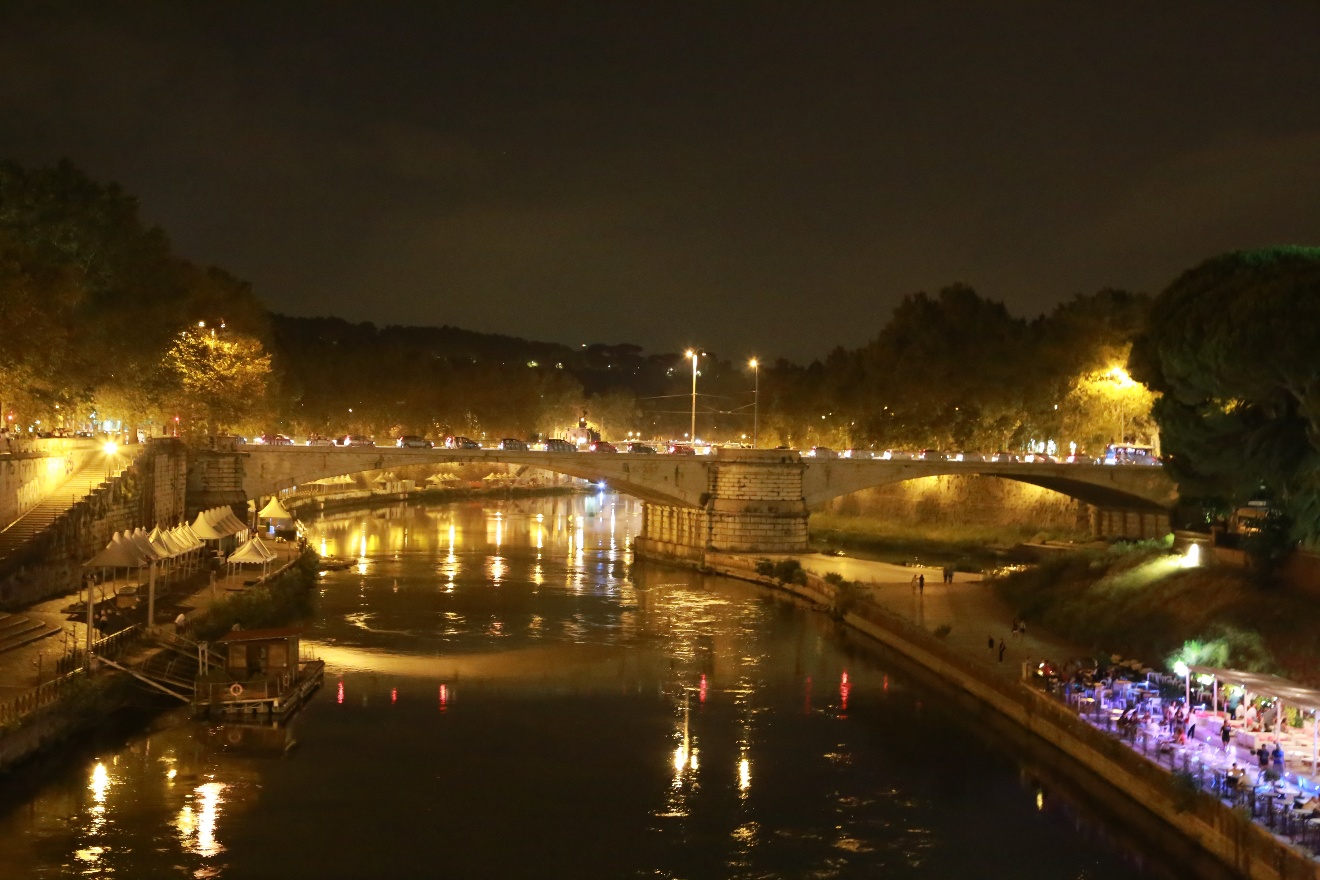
{"x": 765, "y": 568}
{"x": 789, "y": 571}
{"x": 942, "y": 631}
{"x": 275, "y": 603}
{"x": 834, "y": 578}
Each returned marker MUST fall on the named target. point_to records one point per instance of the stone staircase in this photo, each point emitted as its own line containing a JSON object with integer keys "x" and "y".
{"x": 17, "y": 631}
{"x": 51, "y": 508}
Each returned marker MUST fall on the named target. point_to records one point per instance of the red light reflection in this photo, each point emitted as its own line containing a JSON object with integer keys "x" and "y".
{"x": 444, "y": 697}
{"x": 340, "y": 696}
{"x": 703, "y": 687}
{"x": 394, "y": 695}
{"x": 844, "y": 688}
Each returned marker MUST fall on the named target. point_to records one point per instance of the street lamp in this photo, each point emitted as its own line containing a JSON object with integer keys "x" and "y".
{"x": 692, "y": 432}
{"x": 756, "y": 396}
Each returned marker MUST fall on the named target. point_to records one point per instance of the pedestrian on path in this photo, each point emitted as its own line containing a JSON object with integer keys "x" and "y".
{"x": 1002, "y": 649}
{"x": 990, "y": 642}
{"x": 921, "y": 584}
{"x": 1226, "y": 734}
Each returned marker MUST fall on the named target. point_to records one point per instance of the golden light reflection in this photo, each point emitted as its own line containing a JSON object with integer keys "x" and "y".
{"x": 744, "y": 775}
{"x": 196, "y": 823}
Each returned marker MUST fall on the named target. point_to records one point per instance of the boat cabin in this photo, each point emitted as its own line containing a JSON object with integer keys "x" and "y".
{"x": 260, "y": 653}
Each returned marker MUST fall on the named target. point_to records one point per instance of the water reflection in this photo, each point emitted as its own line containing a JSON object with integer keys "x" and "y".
{"x": 640, "y": 703}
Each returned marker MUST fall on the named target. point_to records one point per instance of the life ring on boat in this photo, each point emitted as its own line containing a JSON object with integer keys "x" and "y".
{"x": 234, "y": 737}
{"x": 236, "y": 690}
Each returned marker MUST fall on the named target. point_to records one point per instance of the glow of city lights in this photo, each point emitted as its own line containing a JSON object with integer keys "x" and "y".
{"x": 110, "y": 447}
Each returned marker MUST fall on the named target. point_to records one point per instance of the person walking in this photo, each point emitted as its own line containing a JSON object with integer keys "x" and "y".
{"x": 1002, "y": 649}
{"x": 921, "y": 584}
{"x": 1226, "y": 734}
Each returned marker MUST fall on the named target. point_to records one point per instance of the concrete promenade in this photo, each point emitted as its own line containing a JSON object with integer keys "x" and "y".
{"x": 970, "y": 608}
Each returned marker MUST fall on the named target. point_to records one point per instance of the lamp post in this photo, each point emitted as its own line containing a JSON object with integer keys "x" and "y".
{"x": 692, "y": 435}
{"x": 756, "y": 396}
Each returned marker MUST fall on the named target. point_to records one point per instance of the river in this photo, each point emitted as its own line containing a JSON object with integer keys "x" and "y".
{"x": 509, "y": 696}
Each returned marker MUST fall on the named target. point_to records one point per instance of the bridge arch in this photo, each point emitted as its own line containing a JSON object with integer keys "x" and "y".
{"x": 666, "y": 480}
{"x": 1128, "y": 488}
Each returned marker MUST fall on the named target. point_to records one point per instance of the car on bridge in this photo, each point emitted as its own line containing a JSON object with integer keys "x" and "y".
{"x": 822, "y": 452}
{"x": 558, "y": 444}
{"x": 638, "y": 448}
{"x": 510, "y": 444}
{"x": 458, "y": 442}
{"x": 412, "y": 441}
{"x": 602, "y": 446}
{"x": 275, "y": 440}
{"x": 681, "y": 449}
{"x": 861, "y": 454}
{"x": 355, "y": 440}
{"x": 318, "y": 440}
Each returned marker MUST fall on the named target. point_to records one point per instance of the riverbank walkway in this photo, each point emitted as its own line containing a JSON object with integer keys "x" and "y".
{"x": 28, "y": 666}
{"x": 975, "y": 613}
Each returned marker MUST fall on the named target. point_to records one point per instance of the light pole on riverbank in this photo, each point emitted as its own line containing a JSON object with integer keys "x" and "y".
{"x": 756, "y": 396}
{"x": 692, "y": 435}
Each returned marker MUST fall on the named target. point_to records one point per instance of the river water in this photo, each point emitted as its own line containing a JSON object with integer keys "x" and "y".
{"x": 509, "y": 696}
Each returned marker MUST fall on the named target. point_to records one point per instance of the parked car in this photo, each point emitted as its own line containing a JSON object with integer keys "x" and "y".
{"x": 558, "y": 444}
{"x": 510, "y": 444}
{"x": 602, "y": 446}
{"x": 681, "y": 449}
{"x": 822, "y": 452}
{"x": 355, "y": 440}
{"x": 638, "y": 448}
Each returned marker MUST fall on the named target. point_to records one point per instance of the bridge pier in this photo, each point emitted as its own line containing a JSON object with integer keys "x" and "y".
{"x": 754, "y": 504}
{"x": 1107, "y": 522}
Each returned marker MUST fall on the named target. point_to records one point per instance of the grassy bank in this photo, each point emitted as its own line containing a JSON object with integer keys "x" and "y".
{"x": 1137, "y": 600}
{"x": 278, "y": 602}
{"x": 968, "y": 547}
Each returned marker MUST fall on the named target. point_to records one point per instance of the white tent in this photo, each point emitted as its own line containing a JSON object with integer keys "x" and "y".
{"x": 203, "y": 529}
{"x": 274, "y": 510}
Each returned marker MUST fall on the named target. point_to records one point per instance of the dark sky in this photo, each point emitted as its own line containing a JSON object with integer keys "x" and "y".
{"x": 751, "y": 177}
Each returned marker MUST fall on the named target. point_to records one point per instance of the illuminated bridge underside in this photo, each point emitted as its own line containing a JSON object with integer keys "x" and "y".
{"x": 1131, "y": 487}
{"x": 654, "y": 478}
{"x": 733, "y": 500}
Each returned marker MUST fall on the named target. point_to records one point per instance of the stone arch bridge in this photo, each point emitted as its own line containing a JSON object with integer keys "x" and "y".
{"x": 736, "y": 499}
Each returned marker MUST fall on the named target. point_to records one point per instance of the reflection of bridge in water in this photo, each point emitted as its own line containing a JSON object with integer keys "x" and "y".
{"x": 738, "y": 499}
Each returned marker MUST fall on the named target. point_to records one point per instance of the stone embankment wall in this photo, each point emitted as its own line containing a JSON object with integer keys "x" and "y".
{"x": 34, "y": 469}
{"x": 965, "y": 500}
{"x": 150, "y": 492}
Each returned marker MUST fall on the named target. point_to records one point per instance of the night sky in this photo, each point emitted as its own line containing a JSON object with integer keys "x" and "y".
{"x": 751, "y": 177}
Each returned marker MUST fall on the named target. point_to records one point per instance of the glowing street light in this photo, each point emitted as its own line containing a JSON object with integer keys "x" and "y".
{"x": 694, "y": 355}
{"x": 756, "y": 396}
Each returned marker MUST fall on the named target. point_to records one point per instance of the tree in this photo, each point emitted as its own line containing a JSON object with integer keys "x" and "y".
{"x": 1232, "y": 347}
{"x": 222, "y": 376}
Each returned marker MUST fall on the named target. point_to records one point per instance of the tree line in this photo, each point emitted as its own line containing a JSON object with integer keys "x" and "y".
{"x": 100, "y": 321}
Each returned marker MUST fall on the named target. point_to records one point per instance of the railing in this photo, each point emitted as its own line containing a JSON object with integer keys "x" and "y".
{"x": 111, "y": 646}
{"x": 42, "y": 695}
